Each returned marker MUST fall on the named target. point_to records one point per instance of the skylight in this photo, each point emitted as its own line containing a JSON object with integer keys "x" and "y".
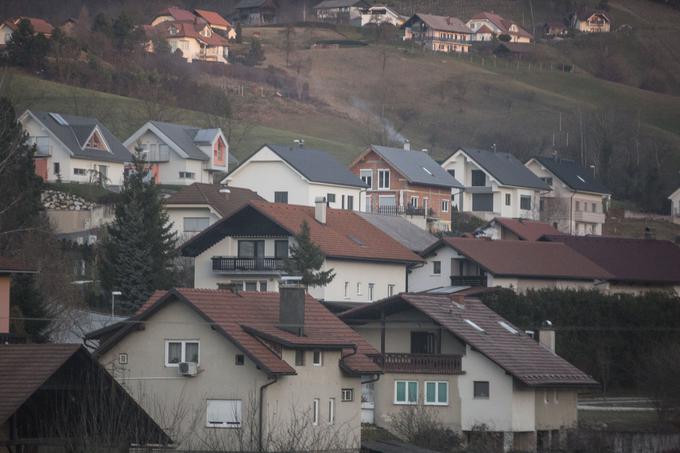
{"x": 473, "y": 325}
{"x": 59, "y": 119}
{"x": 356, "y": 240}
{"x": 582, "y": 180}
{"x": 427, "y": 171}
{"x": 508, "y": 327}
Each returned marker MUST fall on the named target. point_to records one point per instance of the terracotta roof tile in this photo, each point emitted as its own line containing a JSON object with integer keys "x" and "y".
{"x": 213, "y": 18}
{"x": 13, "y": 265}
{"x": 529, "y": 230}
{"x": 189, "y": 29}
{"x": 39, "y": 25}
{"x": 209, "y": 194}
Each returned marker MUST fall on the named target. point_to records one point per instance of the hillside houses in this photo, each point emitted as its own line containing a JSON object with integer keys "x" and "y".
{"x": 341, "y": 11}
{"x": 438, "y": 33}
{"x": 382, "y": 14}
{"x": 589, "y": 21}
{"x": 9, "y": 26}
{"x": 488, "y": 26}
{"x": 257, "y": 12}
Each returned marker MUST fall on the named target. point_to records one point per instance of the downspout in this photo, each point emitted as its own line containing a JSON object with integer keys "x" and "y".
{"x": 260, "y": 415}
{"x": 571, "y": 213}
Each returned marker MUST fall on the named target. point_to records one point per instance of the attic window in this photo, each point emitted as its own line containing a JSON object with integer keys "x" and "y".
{"x": 427, "y": 171}
{"x": 581, "y": 179}
{"x": 474, "y": 325}
{"x": 356, "y": 240}
{"x": 508, "y": 327}
{"x": 96, "y": 142}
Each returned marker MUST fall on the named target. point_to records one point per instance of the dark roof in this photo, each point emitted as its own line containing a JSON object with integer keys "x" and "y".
{"x": 444, "y": 23}
{"x": 339, "y": 3}
{"x": 76, "y": 132}
{"x": 506, "y": 168}
{"x": 517, "y": 353}
{"x": 345, "y": 235}
{"x": 413, "y": 165}
{"x": 572, "y": 174}
{"x": 525, "y": 259}
{"x": 401, "y": 230}
{"x": 243, "y": 4}
{"x": 628, "y": 259}
{"x": 224, "y": 203}
{"x": 13, "y": 265}
{"x": 248, "y": 318}
{"x": 185, "y": 137}
{"x": 525, "y": 229}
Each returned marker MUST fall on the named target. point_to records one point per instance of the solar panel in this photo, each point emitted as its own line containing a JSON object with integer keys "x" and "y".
{"x": 59, "y": 119}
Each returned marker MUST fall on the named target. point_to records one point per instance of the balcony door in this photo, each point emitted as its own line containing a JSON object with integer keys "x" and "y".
{"x": 251, "y": 249}
{"x": 423, "y": 343}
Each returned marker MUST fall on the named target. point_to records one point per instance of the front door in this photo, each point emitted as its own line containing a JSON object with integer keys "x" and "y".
{"x": 367, "y": 402}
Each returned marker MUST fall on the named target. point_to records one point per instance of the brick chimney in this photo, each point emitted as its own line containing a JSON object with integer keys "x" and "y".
{"x": 292, "y": 307}
{"x": 320, "y": 207}
{"x": 546, "y": 335}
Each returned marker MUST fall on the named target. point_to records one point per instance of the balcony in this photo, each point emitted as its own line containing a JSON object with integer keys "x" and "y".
{"x": 155, "y": 156}
{"x": 419, "y": 363}
{"x": 589, "y": 217}
{"x": 404, "y": 210}
{"x": 235, "y": 264}
{"x": 468, "y": 280}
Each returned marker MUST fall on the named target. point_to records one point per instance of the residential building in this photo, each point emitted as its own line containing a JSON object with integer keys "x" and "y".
{"x": 554, "y": 29}
{"x": 382, "y": 14}
{"x": 637, "y": 266}
{"x": 406, "y": 182}
{"x": 589, "y": 21}
{"x": 73, "y": 148}
{"x": 257, "y": 12}
{"x": 272, "y": 365}
{"x": 9, "y": 26}
{"x": 196, "y": 207}
{"x": 470, "y": 367}
{"x": 509, "y": 229}
{"x": 401, "y": 230}
{"x": 180, "y": 154}
{"x": 191, "y": 39}
{"x": 248, "y": 250}
{"x": 438, "y": 33}
{"x": 520, "y": 265}
{"x": 675, "y": 205}
{"x": 496, "y": 184}
{"x": 577, "y": 201}
{"x": 68, "y": 26}
{"x": 341, "y": 11}
{"x": 8, "y": 267}
{"x": 172, "y": 14}
{"x": 218, "y": 23}
{"x": 298, "y": 175}
{"x": 488, "y": 26}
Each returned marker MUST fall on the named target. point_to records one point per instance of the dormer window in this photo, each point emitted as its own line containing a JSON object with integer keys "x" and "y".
{"x": 173, "y": 30}
{"x": 96, "y": 142}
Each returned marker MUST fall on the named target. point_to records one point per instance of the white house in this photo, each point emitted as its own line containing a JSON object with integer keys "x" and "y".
{"x": 382, "y": 14}
{"x": 179, "y": 154}
{"x": 675, "y": 205}
{"x": 249, "y": 247}
{"x": 488, "y": 25}
{"x": 576, "y": 202}
{"x": 341, "y": 11}
{"x": 298, "y": 175}
{"x": 515, "y": 229}
{"x": 496, "y": 184}
{"x": 75, "y": 149}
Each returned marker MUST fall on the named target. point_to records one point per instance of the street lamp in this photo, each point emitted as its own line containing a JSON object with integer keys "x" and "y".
{"x": 113, "y": 300}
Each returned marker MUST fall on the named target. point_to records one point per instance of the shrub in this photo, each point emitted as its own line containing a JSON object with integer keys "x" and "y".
{"x": 419, "y": 425}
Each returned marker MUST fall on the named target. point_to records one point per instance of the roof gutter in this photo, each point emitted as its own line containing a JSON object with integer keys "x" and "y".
{"x": 260, "y": 430}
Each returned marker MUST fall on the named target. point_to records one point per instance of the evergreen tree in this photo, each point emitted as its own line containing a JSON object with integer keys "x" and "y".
{"x": 305, "y": 260}
{"x": 28, "y": 309}
{"x": 25, "y": 48}
{"x": 255, "y": 54}
{"x": 239, "y": 36}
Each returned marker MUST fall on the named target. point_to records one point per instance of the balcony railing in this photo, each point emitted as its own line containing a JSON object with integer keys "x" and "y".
{"x": 419, "y": 363}
{"x": 405, "y": 210}
{"x": 468, "y": 280}
{"x": 226, "y": 264}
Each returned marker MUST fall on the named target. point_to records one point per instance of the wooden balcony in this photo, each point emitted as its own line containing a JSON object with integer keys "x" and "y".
{"x": 419, "y": 363}
{"x": 235, "y": 264}
{"x": 468, "y": 280}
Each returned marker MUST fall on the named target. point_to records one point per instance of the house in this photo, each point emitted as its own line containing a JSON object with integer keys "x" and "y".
{"x": 401, "y": 230}
{"x": 172, "y": 14}
{"x": 637, "y": 266}
{"x": 298, "y": 175}
{"x": 382, "y": 14}
{"x": 469, "y": 367}
{"x": 192, "y": 40}
{"x": 68, "y": 26}
{"x": 248, "y": 249}
{"x": 577, "y": 201}
{"x": 496, "y": 184}
{"x": 9, "y": 26}
{"x": 217, "y": 23}
{"x": 73, "y": 148}
{"x": 341, "y": 11}
{"x": 520, "y": 265}
{"x": 588, "y": 21}
{"x": 515, "y": 229}
{"x": 438, "y": 33}
{"x": 675, "y": 205}
{"x": 554, "y": 29}
{"x": 406, "y": 182}
{"x": 272, "y": 365}
{"x": 257, "y": 12}
{"x": 8, "y": 267}
{"x": 488, "y": 26}
{"x": 194, "y": 208}
{"x": 180, "y": 154}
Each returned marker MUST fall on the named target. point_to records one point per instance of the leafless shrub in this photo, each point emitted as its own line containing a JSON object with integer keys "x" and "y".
{"x": 420, "y": 426}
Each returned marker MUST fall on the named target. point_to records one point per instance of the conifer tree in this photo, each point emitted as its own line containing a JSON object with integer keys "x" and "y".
{"x": 27, "y": 49}
{"x": 305, "y": 260}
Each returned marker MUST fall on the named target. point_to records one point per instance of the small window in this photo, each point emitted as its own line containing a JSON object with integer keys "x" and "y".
{"x": 79, "y": 171}
{"x": 405, "y": 392}
{"x": 437, "y": 393}
{"x": 452, "y": 173}
{"x": 548, "y": 181}
{"x": 507, "y": 199}
{"x": 436, "y": 267}
{"x": 481, "y": 389}
{"x": 281, "y": 197}
{"x": 342, "y": 202}
{"x": 383, "y": 179}
{"x": 578, "y": 206}
{"x": 56, "y": 167}
{"x": 315, "y": 412}
{"x": 186, "y": 175}
{"x": 347, "y": 395}
{"x": 223, "y": 414}
{"x": 299, "y": 357}
{"x": 508, "y": 327}
{"x": 414, "y": 201}
{"x": 240, "y": 360}
{"x": 346, "y": 290}
{"x": 195, "y": 224}
{"x": 350, "y": 203}
{"x": 177, "y": 351}
{"x": 371, "y": 287}
{"x": 367, "y": 177}
{"x": 427, "y": 171}
{"x": 390, "y": 290}
{"x": 251, "y": 286}
{"x": 473, "y": 325}
{"x": 594, "y": 207}
{"x": 122, "y": 358}
{"x": 478, "y": 178}
{"x": 525, "y": 202}
{"x": 281, "y": 249}
{"x": 330, "y": 198}
{"x": 317, "y": 358}
{"x": 358, "y": 288}
{"x": 331, "y": 411}
{"x": 445, "y": 205}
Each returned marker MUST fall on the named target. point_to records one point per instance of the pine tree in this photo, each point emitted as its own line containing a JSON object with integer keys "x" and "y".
{"x": 27, "y": 49}
{"x": 239, "y": 36}
{"x": 255, "y": 54}
{"x": 305, "y": 260}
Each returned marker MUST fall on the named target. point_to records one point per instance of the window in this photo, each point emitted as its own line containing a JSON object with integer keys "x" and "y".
{"x": 414, "y": 201}
{"x": 594, "y": 207}
{"x": 445, "y": 205}
{"x": 79, "y": 171}
{"x": 525, "y": 202}
{"x": 383, "y": 179}
{"x": 405, "y": 392}
{"x": 482, "y": 202}
{"x": 281, "y": 249}
{"x": 317, "y": 358}
{"x": 371, "y": 286}
{"x": 186, "y": 175}
{"x": 223, "y": 414}
{"x": 367, "y": 177}
{"x": 390, "y": 290}
{"x": 280, "y": 197}
{"x": 122, "y": 358}
{"x": 350, "y": 203}
{"x": 330, "y": 198}
{"x": 251, "y": 286}
{"x": 548, "y": 181}
{"x": 436, "y": 267}
{"x": 358, "y": 288}
{"x": 481, "y": 389}
{"x": 331, "y": 411}
{"x": 195, "y": 224}
{"x": 578, "y": 206}
{"x": 342, "y": 204}
{"x": 315, "y": 412}
{"x": 474, "y": 325}
{"x": 437, "y": 393}
{"x": 251, "y": 249}
{"x": 478, "y": 178}
{"x": 452, "y": 173}
{"x": 240, "y": 360}
{"x": 177, "y": 351}
{"x": 299, "y": 357}
{"x": 346, "y": 290}
{"x": 56, "y": 167}
{"x": 422, "y": 343}
{"x": 507, "y": 199}
{"x": 347, "y": 395}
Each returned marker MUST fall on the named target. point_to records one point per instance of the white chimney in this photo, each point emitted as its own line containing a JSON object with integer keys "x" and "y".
{"x": 407, "y": 145}
{"x": 320, "y": 209}
{"x": 546, "y": 335}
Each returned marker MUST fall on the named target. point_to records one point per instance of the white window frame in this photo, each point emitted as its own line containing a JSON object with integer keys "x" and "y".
{"x": 183, "y": 351}
{"x": 314, "y": 361}
{"x": 371, "y": 291}
{"x": 414, "y": 201}
{"x": 445, "y": 205}
{"x": 347, "y": 395}
{"x": 187, "y": 175}
{"x": 434, "y": 268}
{"x": 508, "y": 199}
{"x": 331, "y": 411}
{"x": 225, "y": 425}
{"x": 524, "y": 198}
{"x": 436, "y": 393}
{"x": 315, "y": 412}
{"x": 358, "y": 288}
{"x": 406, "y": 402}
{"x": 79, "y": 171}
{"x": 383, "y": 171}
{"x": 390, "y": 289}
{"x": 367, "y": 173}
{"x": 196, "y": 221}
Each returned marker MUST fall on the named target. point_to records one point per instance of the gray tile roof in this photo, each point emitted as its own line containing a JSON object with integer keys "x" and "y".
{"x": 317, "y": 165}
{"x": 506, "y": 168}
{"x": 76, "y": 132}
{"x": 185, "y": 137}
{"x": 401, "y": 230}
{"x": 573, "y": 174}
{"x": 443, "y": 23}
{"x": 417, "y": 167}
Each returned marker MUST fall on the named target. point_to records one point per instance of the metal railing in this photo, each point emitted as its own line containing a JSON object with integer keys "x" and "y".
{"x": 404, "y": 210}
{"x": 224, "y": 264}
{"x": 419, "y": 363}
{"x": 156, "y": 155}
{"x": 468, "y": 280}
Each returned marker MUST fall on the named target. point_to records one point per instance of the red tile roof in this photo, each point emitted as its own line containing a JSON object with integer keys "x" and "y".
{"x": 213, "y": 18}
{"x": 177, "y": 13}
{"x": 503, "y": 24}
{"x": 189, "y": 29}
{"x": 13, "y": 265}
{"x": 248, "y": 318}
{"x": 39, "y": 25}
{"x": 209, "y": 194}
{"x": 517, "y": 353}
{"x": 528, "y": 230}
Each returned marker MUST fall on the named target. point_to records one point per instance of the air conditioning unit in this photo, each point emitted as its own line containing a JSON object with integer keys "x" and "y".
{"x": 187, "y": 369}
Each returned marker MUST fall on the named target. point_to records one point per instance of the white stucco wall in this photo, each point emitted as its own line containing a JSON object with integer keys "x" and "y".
{"x": 422, "y": 278}
{"x": 177, "y": 214}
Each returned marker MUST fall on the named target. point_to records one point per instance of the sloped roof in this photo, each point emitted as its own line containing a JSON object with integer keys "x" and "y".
{"x": 177, "y": 13}
{"x": 212, "y": 17}
{"x": 39, "y": 25}
{"x": 13, "y": 265}
{"x": 586, "y": 14}
{"x": 401, "y": 230}
{"x": 443, "y": 23}
{"x": 517, "y": 353}
{"x": 184, "y": 137}
{"x": 416, "y": 166}
{"x": 254, "y": 4}
{"x": 189, "y": 29}
{"x": 528, "y": 230}
{"x": 506, "y": 168}
{"x": 573, "y": 174}
{"x": 247, "y": 318}
{"x": 525, "y": 259}
{"x": 75, "y": 133}
{"x": 339, "y": 4}
{"x": 628, "y": 259}
{"x": 503, "y": 24}
{"x": 345, "y": 235}
{"x": 224, "y": 203}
